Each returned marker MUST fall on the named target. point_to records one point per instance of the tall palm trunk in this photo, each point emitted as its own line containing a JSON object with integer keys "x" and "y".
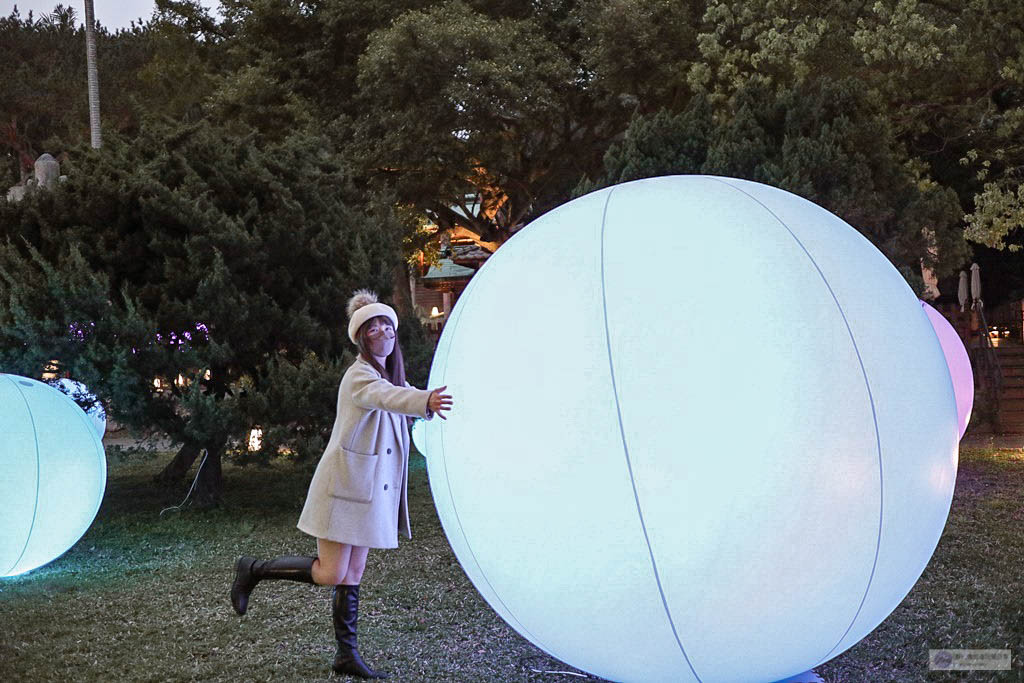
{"x": 94, "y": 81}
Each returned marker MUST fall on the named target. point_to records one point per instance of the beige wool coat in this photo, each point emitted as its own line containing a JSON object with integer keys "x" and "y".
{"x": 358, "y": 494}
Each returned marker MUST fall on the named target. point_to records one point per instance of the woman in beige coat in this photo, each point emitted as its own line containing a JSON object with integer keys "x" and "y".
{"x": 358, "y": 496}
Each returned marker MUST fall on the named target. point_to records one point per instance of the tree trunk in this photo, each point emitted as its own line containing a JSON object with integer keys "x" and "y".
{"x": 93, "y": 75}
{"x": 210, "y": 479}
{"x": 402, "y": 296}
{"x": 179, "y": 466}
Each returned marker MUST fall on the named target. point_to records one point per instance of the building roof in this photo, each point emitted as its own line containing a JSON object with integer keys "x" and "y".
{"x": 448, "y": 270}
{"x": 469, "y": 252}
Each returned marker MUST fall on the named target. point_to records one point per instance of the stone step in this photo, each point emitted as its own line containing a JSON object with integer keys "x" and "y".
{"x": 1010, "y": 349}
{"x": 1012, "y": 409}
{"x": 1008, "y": 381}
{"x": 1010, "y": 392}
{"x": 1010, "y": 406}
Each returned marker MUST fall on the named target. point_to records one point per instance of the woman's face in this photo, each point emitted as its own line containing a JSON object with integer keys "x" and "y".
{"x": 380, "y": 337}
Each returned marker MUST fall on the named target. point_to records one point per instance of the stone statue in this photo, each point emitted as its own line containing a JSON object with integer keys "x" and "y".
{"x": 47, "y": 174}
{"x": 47, "y": 171}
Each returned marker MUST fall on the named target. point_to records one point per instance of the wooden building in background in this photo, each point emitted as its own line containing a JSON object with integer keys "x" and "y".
{"x": 436, "y": 288}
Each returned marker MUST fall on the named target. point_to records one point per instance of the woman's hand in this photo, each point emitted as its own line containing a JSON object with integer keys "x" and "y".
{"x": 438, "y": 402}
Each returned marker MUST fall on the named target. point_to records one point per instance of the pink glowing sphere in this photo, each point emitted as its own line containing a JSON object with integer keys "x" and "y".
{"x": 959, "y": 365}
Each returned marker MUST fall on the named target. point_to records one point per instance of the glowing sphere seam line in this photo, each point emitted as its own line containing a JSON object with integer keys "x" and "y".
{"x": 874, "y": 416}
{"x": 625, "y": 447}
{"x": 35, "y": 505}
{"x": 464, "y": 301}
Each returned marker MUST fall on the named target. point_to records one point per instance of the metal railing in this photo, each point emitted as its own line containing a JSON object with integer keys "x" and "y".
{"x": 987, "y": 367}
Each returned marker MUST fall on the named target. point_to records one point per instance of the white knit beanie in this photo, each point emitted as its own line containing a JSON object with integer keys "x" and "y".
{"x": 364, "y": 305}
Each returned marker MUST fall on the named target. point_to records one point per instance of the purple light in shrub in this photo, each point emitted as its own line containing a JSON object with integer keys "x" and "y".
{"x": 181, "y": 339}
{"x": 78, "y": 331}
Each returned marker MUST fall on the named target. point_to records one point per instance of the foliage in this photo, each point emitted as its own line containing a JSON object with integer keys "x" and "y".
{"x": 262, "y": 164}
{"x": 998, "y": 215}
{"x": 481, "y": 121}
{"x": 61, "y": 309}
{"x": 640, "y": 51}
{"x": 295, "y": 403}
{"x": 204, "y": 253}
{"x": 45, "y": 106}
{"x": 948, "y": 80}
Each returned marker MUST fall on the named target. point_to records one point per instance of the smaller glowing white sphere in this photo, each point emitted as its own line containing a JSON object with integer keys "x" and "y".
{"x": 81, "y": 394}
{"x": 54, "y": 474}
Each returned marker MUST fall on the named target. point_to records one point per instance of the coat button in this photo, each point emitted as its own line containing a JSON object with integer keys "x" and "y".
{"x": 389, "y": 451}
{"x": 385, "y": 487}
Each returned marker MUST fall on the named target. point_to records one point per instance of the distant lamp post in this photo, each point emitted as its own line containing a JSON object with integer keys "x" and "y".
{"x": 92, "y": 74}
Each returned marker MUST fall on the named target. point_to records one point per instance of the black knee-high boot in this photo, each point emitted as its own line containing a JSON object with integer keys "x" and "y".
{"x": 249, "y": 571}
{"x": 345, "y": 613}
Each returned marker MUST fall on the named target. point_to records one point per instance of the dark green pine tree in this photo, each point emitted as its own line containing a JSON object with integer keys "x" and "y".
{"x": 189, "y": 251}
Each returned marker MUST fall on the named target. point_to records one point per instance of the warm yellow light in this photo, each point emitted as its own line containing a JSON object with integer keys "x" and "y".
{"x": 255, "y": 439}
{"x": 156, "y": 383}
{"x": 180, "y": 381}
{"x": 434, "y": 313}
{"x": 50, "y": 370}
{"x": 206, "y": 375}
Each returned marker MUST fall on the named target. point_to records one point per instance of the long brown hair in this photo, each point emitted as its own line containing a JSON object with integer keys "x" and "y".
{"x": 394, "y": 364}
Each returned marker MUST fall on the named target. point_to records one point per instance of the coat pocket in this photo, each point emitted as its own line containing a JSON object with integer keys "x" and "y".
{"x": 352, "y": 477}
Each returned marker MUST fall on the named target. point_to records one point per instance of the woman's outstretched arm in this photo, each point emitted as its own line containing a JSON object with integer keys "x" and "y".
{"x": 372, "y": 392}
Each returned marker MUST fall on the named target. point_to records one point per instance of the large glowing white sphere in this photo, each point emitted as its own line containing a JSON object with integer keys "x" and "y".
{"x": 80, "y": 393}
{"x": 703, "y": 432}
{"x": 53, "y": 476}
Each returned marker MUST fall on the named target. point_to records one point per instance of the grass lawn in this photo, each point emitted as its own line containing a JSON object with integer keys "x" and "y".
{"x": 144, "y": 598}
